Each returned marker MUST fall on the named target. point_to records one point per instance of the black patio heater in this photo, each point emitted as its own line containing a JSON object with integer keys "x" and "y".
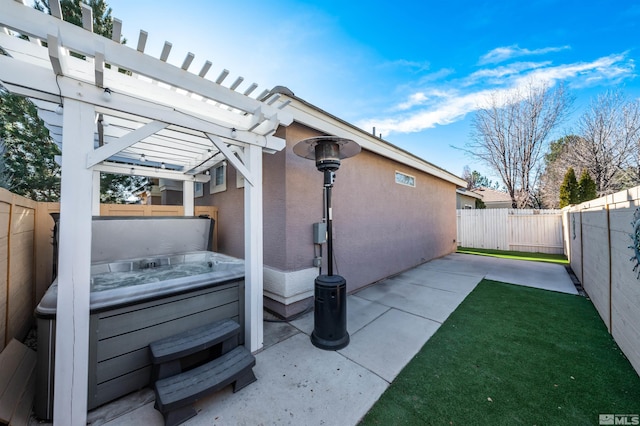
{"x": 330, "y": 313}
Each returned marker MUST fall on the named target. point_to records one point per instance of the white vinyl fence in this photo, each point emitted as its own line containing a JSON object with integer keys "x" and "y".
{"x": 510, "y": 229}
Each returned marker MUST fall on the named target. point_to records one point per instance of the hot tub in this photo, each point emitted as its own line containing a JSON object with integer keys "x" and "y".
{"x": 132, "y": 303}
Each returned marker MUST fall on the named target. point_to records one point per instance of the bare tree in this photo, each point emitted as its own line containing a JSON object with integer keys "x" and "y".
{"x": 608, "y": 146}
{"x": 511, "y": 132}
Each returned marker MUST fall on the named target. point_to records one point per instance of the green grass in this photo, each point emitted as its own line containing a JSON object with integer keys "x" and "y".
{"x": 512, "y": 355}
{"x": 520, "y": 255}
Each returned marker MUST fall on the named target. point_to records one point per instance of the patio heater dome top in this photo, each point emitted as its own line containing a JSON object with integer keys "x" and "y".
{"x": 327, "y": 151}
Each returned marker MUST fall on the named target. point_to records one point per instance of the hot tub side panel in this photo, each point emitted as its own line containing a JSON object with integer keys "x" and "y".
{"x": 118, "y": 354}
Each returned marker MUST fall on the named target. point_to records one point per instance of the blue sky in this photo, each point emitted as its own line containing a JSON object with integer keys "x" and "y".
{"x": 417, "y": 70}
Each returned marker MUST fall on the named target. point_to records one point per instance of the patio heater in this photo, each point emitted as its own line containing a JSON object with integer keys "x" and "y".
{"x": 330, "y": 305}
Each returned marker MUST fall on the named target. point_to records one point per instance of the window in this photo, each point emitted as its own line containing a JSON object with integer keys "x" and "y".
{"x": 405, "y": 179}
{"x": 218, "y": 181}
{"x": 197, "y": 190}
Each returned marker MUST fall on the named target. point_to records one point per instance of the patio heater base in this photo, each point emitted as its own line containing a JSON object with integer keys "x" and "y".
{"x": 330, "y": 313}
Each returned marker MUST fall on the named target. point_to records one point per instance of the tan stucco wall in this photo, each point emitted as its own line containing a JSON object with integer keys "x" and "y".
{"x": 380, "y": 227}
{"x": 230, "y": 205}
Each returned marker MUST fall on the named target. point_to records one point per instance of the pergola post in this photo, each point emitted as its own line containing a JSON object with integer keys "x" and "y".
{"x": 188, "y": 191}
{"x": 95, "y": 201}
{"x": 253, "y": 249}
{"x": 72, "y": 321}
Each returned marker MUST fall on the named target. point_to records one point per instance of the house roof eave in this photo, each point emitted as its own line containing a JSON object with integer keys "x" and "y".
{"x": 315, "y": 117}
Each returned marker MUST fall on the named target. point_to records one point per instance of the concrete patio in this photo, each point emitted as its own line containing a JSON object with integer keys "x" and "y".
{"x": 388, "y": 322}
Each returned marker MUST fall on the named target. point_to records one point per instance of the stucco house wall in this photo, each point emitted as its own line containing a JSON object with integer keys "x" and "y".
{"x": 466, "y": 199}
{"x": 380, "y": 227}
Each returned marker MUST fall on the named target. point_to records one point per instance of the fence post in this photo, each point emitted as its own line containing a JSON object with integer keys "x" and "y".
{"x": 610, "y": 263}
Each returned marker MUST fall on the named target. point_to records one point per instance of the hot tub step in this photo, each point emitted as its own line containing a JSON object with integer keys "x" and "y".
{"x": 167, "y": 353}
{"x": 174, "y": 395}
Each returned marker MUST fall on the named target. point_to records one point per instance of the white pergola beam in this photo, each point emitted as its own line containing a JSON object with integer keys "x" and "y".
{"x": 205, "y": 69}
{"x": 117, "y": 30}
{"x": 236, "y": 83}
{"x": 187, "y": 61}
{"x": 142, "y": 41}
{"x": 55, "y": 55}
{"x": 31, "y": 53}
{"x": 56, "y": 10}
{"x": 33, "y": 22}
{"x": 125, "y": 169}
{"x": 235, "y": 161}
{"x": 43, "y": 84}
{"x": 72, "y": 319}
{"x": 87, "y": 17}
{"x": 166, "y": 49}
{"x": 126, "y": 141}
{"x": 222, "y": 76}
{"x": 250, "y": 89}
{"x": 99, "y": 69}
{"x": 179, "y": 137}
{"x": 78, "y": 69}
{"x": 256, "y": 119}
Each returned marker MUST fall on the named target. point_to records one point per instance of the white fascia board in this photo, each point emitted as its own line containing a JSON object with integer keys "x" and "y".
{"x": 313, "y": 118}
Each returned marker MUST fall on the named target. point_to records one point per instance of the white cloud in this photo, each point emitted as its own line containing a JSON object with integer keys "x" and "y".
{"x": 414, "y": 99}
{"x": 501, "y": 54}
{"x": 421, "y": 98}
{"x": 504, "y": 71}
{"x": 403, "y": 63}
{"x": 470, "y": 93}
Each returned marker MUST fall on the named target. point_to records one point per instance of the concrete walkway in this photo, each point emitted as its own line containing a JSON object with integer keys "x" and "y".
{"x": 389, "y": 322}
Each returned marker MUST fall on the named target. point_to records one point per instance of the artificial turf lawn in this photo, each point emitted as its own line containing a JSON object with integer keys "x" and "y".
{"x": 520, "y": 255}
{"x": 511, "y": 355}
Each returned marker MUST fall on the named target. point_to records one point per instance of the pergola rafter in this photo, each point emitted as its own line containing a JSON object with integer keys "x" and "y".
{"x": 154, "y": 119}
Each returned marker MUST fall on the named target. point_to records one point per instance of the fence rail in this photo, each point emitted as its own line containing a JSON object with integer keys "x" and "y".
{"x": 509, "y": 229}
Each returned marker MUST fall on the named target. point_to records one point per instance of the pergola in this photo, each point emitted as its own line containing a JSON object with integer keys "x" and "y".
{"x": 163, "y": 122}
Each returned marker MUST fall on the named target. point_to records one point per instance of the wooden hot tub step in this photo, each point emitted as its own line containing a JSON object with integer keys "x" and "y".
{"x": 167, "y": 353}
{"x": 174, "y": 395}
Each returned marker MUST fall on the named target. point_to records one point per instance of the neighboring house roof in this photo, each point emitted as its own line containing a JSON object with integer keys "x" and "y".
{"x": 316, "y": 118}
{"x": 491, "y": 196}
{"x": 470, "y": 193}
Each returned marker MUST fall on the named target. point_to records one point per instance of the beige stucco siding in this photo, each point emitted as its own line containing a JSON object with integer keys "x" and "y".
{"x": 383, "y": 227}
{"x": 380, "y": 227}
